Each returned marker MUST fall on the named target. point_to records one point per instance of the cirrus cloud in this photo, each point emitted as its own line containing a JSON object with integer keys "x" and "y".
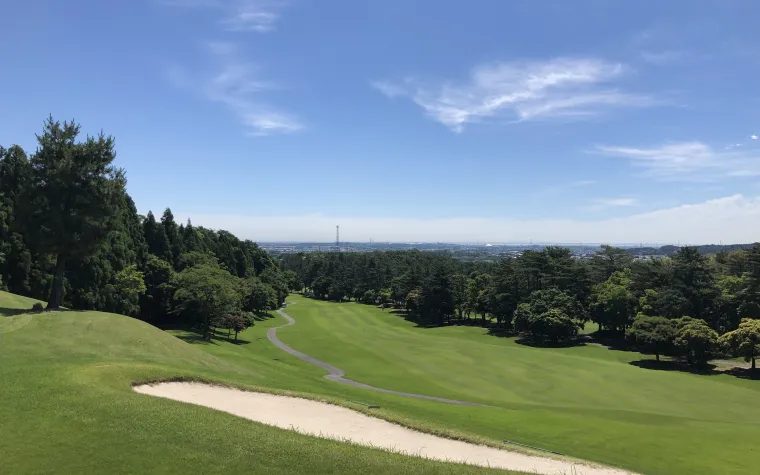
{"x": 688, "y": 161}
{"x": 522, "y": 91}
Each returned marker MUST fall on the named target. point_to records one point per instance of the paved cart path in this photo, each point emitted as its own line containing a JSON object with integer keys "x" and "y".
{"x": 338, "y": 375}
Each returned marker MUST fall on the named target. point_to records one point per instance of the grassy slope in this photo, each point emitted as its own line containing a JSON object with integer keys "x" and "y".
{"x": 587, "y": 402}
{"x": 66, "y": 405}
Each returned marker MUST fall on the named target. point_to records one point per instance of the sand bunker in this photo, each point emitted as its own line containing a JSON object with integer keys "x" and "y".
{"x": 334, "y": 422}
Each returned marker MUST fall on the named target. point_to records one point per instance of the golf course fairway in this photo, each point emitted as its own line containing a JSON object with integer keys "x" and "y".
{"x": 67, "y": 404}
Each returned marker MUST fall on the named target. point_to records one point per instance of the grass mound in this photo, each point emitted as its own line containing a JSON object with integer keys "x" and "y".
{"x": 66, "y": 404}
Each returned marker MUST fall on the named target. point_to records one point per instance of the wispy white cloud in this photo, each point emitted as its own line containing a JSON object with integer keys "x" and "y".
{"x": 528, "y": 90}
{"x": 239, "y": 15}
{"x": 600, "y": 204}
{"x": 252, "y": 15}
{"x": 733, "y": 219}
{"x": 691, "y": 161}
{"x": 753, "y": 137}
{"x": 615, "y": 202}
{"x": 235, "y": 81}
{"x": 583, "y": 183}
{"x": 661, "y": 58}
{"x": 237, "y": 84}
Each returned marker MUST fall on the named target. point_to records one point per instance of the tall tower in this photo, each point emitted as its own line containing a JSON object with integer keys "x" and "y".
{"x": 337, "y": 237}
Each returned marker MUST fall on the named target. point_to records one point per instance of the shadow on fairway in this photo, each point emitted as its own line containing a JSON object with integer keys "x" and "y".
{"x": 196, "y": 339}
{"x": 559, "y": 344}
{"x": 744, "y": 373}
{"x": 611, "y": 340}
{"x": 261, "y": 316}
{"x": 12, "y": 312}
{"x": 681, "y": 366}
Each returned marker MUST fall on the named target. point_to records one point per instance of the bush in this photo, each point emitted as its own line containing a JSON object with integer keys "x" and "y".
{"x": 37, "y": 308}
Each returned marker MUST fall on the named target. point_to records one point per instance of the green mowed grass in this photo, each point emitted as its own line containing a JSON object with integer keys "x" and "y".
{"x": 67, "y": 407}
{"x": 587, "y": 402}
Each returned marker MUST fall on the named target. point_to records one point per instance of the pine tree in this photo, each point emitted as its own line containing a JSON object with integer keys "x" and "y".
{"x": 73, "y": 197}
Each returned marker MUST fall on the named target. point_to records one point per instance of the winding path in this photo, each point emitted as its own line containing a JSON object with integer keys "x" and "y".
{"x": 337, "y": 374}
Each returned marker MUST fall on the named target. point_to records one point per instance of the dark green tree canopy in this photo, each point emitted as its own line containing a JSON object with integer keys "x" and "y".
{"x": 73, "y": 198}
{"x": 652, "y": 334}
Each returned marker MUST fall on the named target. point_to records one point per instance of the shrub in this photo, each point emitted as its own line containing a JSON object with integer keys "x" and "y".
{"x": 37, "y": 308}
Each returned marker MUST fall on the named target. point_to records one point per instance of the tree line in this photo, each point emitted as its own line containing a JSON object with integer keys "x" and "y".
{"x": 689, "y": 304}
{"x": 70, "y": 234}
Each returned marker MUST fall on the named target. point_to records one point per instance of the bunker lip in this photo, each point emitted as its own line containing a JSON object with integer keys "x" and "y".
{"x": 339, "y": 423}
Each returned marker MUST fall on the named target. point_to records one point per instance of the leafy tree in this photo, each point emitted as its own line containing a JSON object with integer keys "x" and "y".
{"x": 130, "y": 285}
{"x": 436, "y": 298}
{"x": 73, "y": 197}
{"x": 744, "y": 341}
{"x": 609, "y": 260}
{"x": 696, "y": 340}
{"x": 385, "y": 297}
{"x": 205, "y": 293}
{"x": 259, "y": 297}
{"x": 274, "y": 279}
{"x": 370, "y": 297}
{"x": 667, "y": 302}
{"x": 196, "y": 258}
{"x": 237, "y": 322}
{"x": 459, "y": 293}
{"x": 156, "y": 302}
{"x": 692, "y": 277}
{"x": 611, "y": 304}
{"x": 652, "y": 334}
{"x": 156, "y": 239}
{"x": 291, "y": 279}
{"x": 549, "y": 316}
{"x": 412, "y": 302}
{"x": 172, "y": 234}
{"x": 15, "y": 258}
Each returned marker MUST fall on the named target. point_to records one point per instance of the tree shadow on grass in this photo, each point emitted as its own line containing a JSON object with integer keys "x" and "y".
{"x": 744, "y": 373}
{"x": 12, "y": 312}
{"x": 196, "y": 339}
{"x": 502, "y": 333}
{"x": 676, "y": 365}
{"x": 262, "y": 316}
{"x": 560, "y": 344}
{"x": 229, "y": 338}
{"x": 611, "y": 340}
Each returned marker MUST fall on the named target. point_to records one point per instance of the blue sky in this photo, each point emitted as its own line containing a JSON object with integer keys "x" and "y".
{"x": 400, "y": 120}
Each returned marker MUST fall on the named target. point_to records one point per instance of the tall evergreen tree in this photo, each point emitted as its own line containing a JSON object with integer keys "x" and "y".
{"x": 73, "y": 197}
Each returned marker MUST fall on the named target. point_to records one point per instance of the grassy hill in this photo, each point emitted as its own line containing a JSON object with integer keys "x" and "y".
{"x": 589, "y": 402}
{"x": 66, "y": 404}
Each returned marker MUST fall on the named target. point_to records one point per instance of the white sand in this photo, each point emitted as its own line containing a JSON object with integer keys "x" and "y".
{"x": 334, "y": 422}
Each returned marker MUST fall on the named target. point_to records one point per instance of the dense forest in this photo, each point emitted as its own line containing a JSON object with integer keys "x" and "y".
{"x": 70, "y": 234}
{"x": 688, "y": 305}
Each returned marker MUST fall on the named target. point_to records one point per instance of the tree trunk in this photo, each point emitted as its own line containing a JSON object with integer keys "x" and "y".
{"x": 56, "y": 293}
{"x": 207, "y": 328}
{"x": 236, "y": 334}
{"x": 657, "y": 355}
{"x": 753, "y": 363}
